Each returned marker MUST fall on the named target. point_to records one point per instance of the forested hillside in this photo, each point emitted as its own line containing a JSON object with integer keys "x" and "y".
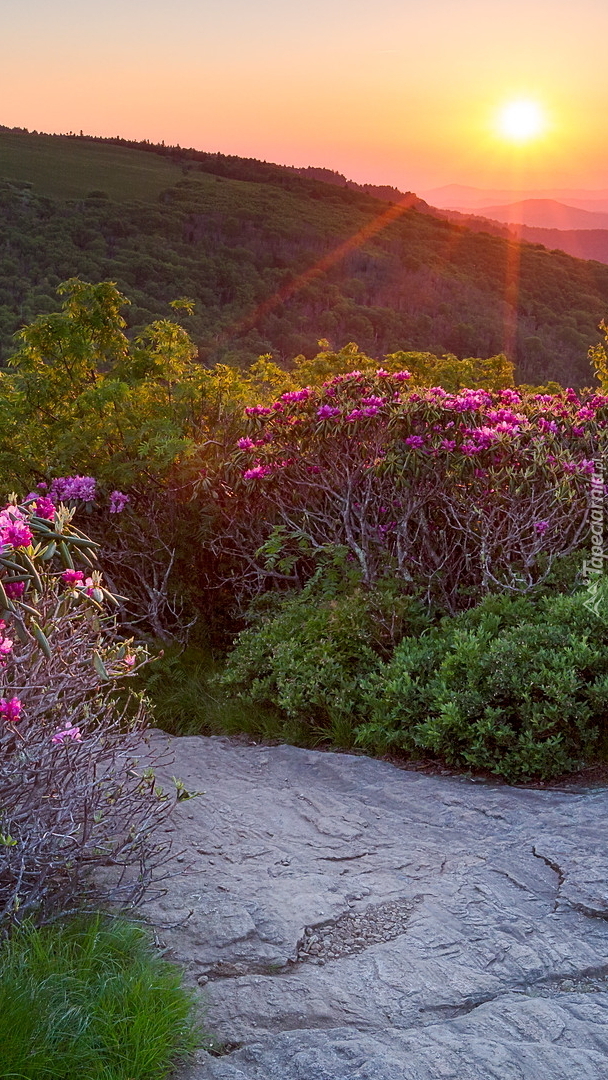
{"x": 276, "y": 260}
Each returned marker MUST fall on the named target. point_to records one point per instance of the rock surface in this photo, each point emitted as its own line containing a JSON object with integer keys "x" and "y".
{"x": 349, "y": 920}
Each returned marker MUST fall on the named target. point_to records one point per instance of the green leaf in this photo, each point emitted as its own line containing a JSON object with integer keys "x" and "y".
{"x": 42, "y": 639}
{"x": 100, "y": 667}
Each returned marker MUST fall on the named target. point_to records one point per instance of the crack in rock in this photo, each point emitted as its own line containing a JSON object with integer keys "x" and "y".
{"x": 561, "y": 877}
{"x": 576, "y": 905}
{"x": 353, "y": 932}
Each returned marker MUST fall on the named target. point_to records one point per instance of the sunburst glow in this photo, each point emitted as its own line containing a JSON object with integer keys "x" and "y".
{"x": 521, "y": 121}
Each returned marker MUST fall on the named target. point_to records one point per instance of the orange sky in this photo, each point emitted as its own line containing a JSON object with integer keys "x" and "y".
{"x": 394, "y": 92}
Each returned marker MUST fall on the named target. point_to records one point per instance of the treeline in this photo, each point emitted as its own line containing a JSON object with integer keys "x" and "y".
{"x": 275, "y": 260}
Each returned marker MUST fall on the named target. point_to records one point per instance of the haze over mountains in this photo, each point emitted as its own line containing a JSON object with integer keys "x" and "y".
{"x": 579, "y": 226}
{"x": 545, "y": 214}
{"x": 463, "y": 197}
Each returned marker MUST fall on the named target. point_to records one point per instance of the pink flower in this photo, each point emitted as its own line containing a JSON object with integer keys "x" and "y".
{"x": 6, "y": 645}
{"x": 17, "y": 534}
{"x": 118, "y": 501}
{"x": 373, "y": 400}
{"x": 69, "y": 732}
{"x": 414, "y": 440}
{"x": 448, "y": 445}
{"x": 72, "y": 577}
{"x": 14, "y": 589}
{"x": 402, "y": 376}
{"x": 326, "y": 411}
{"x": 541, "y": 527}
{"x": 297, "y": 395}
{"x": 73, "y": 487}
{"x": 257, "y": 410}
{"x": 257, "y": 472}
{"x": 90, "y": 588}
{"x": 42, "y": 506}
{"x": 10, "y": 710}
{"x": 245, "y": 444}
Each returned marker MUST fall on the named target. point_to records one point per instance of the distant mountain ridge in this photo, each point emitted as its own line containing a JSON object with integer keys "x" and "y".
{"x": 472, "y": 199}
{"x": 545, "y": 214}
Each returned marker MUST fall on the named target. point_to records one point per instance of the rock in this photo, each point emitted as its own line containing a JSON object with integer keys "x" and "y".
{"x": 357, "y": 921}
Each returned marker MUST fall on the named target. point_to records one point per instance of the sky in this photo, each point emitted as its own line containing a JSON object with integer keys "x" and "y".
{"x": 402, "y": 92}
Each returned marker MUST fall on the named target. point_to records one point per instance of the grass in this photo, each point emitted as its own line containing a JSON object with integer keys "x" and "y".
{"x": 88, "y": 999}
{"x": 64, "y": 168}
{"x": 187, "y": 700}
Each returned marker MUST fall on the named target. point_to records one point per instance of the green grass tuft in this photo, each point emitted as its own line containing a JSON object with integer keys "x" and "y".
{"x": 187, "y": 699}
{"x": 90, "y": 999}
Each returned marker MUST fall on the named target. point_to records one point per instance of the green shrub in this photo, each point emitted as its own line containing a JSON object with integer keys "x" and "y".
{"x": 514, "y": 687}
{"x": 308, "y": 658}
{"x": 90, "y": 999}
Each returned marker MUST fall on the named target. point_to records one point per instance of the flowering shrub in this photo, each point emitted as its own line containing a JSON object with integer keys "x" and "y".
{"x": 71, "y": 794}
{"x": 454, "y": 493}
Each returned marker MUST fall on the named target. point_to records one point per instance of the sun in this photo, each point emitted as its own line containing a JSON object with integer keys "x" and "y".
{"x": 521, "y": 121}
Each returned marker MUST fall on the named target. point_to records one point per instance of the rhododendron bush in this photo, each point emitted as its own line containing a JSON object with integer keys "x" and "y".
{"x": 72, "y": 796}
{"x": 455, "y": 494}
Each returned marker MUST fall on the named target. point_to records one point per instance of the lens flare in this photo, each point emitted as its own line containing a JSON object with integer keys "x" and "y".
{"x": 521, "y": 121}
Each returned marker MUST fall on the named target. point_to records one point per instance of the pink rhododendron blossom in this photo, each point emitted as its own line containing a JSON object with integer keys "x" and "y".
{"x": 541, "y": 527}
{"x": 578, "y": 431}
{"x": 297, "y": 395}
{"x": 356, "y": 414}
{"x": 10, "y": 710}
{"x": 414, "y": 440}
{"x": 72, "y": 577}
{"x": 401, "y": 376}
{"x": 511, "y": 397}
{"x": 327, "y": 411}
{"x": 66, "y": 488}
{"x": 42, "y": 506}
{"x": 6, "y": 645}
{"x": 89, "y": 587}
{"x": 447, "y": 444}
{"x": 14, "y": 529}
{"x": 245, "y": 444}
{"x": 547, "y": 425}
{"x": 70, "y": 731}
{"x": 14, "y": 589}
{"x": 257, "y": 410}
{"x": 257, "y": 472}
{"x": 118, "y": 501}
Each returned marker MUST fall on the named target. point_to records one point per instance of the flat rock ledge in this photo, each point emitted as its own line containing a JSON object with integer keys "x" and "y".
{"x": 344, "y": 919}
